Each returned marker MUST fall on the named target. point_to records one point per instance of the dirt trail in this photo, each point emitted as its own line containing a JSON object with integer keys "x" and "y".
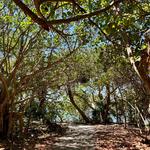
{"x": 78, "y": 137}
{"x": 99, "y": 137}
{"x": 82, "y": 137}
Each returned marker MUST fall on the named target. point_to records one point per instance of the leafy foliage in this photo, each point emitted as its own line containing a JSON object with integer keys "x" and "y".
{"x": 89, "y": 55}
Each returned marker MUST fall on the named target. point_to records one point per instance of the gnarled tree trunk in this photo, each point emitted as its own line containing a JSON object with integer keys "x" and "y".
{"x": 142, "y": 69}
{"x": 70, "y": 94}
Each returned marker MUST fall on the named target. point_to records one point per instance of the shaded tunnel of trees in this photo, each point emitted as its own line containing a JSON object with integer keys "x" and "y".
{"x": 91, "y": 66}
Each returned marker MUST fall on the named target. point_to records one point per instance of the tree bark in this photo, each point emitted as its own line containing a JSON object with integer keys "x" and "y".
{"x": 142, "y": 68}
{"x": 70, "y": 94}
{"x": 4, "y": 108}
{"x": 105, "y": 113}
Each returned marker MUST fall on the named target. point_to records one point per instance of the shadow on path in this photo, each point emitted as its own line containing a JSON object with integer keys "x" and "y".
{"x": 81, "y": 137}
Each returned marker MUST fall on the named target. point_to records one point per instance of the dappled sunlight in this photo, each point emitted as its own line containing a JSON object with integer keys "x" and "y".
{"x": 92, "y": 137}
{"x": 77, "y": 137}
{"x": 74, "y": 75}
{"x": 83, "y": 137}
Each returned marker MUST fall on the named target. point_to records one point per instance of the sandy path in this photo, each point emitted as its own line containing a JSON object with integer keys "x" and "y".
{"x": 82, "y": 137}
{"x": 79, "y": 137}
{"x": 99, "y": 137}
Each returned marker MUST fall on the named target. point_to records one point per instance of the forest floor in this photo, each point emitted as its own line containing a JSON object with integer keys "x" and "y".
{"x": 81, "y": 137}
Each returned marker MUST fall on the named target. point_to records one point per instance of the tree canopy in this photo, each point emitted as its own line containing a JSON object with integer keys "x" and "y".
{"x": 83, "y": 61}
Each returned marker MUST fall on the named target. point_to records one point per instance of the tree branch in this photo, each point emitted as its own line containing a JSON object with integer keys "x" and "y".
{"x": 84, "y": 16}
{"x": 46, "y": 24}
{"x": 30, "y": 13}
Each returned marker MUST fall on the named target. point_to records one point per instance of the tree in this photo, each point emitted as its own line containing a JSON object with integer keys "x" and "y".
{"x": 19, "y": 43}
{"x": 101, "y": 42}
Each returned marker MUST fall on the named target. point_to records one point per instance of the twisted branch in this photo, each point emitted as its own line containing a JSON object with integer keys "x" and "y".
{"x": 48, "y": 24}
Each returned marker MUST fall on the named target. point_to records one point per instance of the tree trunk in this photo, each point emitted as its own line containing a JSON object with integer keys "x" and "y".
{"x": 5, "y": 122}
{"x": 4, "y": 108}
{"x": 105, "y": 113}
{"x": 70, "y": 94}
{"x": 142, "y": 68}
{"x": 116, "y": 108}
